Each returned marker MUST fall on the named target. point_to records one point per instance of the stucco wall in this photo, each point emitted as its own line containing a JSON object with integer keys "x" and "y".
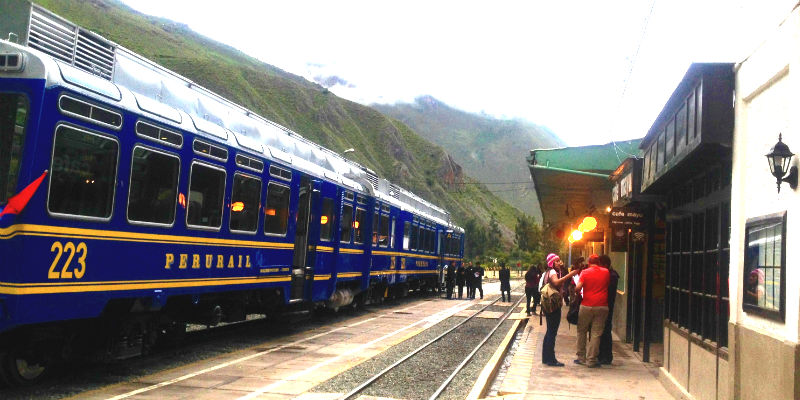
{"x": 767, "y": 103}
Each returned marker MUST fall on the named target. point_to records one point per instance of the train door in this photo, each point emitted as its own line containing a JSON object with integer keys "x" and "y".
{"x": 301, "y": 270}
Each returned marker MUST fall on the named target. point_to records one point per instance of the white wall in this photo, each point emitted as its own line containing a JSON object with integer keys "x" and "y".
{"x": 767, "y": 103}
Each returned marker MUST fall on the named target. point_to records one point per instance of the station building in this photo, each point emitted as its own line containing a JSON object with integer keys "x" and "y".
{"x": 699, "y": 224}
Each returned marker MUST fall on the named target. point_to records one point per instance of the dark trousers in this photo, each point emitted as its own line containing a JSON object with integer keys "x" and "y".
{"x": 531, "y": 293}
{"x": 477, "y": 286}
{"x": 470, "y": 291}
{"x": 606, "y": 355}
{"x": 460, "y": 290}
{"x": 504, "y": 293}
{"x": 549, "y": 345}
{"x": 449, "y": 290}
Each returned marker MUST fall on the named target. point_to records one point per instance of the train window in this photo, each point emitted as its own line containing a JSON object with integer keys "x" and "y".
{"x": 13, "y": 118}
{"x": 153, "y": 188}
{"x": 209, "y": 150}
{"x": 391, "y": 235}
{"x": 383, "y": 236}
{"x": 153, "y": 132}
{"x": 348, "y": 196}
{"x": 347, "y": 222}
{"x": 89, "y": 112}
{"x": 385, "y": 209}
{"x": 361, "y": 200}
{"x": 280, "y": 173}
{"x": 407, "y": 236}
{"x": 206, "y": 193}
{"x": 375, "y": 219}
{"x": 83, "y": 174}
{"x": 326, "y": 220}
{"x": 428, "y": 240}
{"x": 276, "y": 212}
{"x": 358, "y": 226}
{"x": 415, "y": 237}
{"x": 250, "y": 163}
{"x": 245, "y": 203}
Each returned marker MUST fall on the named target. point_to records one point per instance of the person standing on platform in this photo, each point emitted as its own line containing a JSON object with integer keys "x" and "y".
{"x": 593, "y": 312}
{"x": 477, "y": 283}
{"x": 553, "y": 317}
{"x": 505, "y": 282}
{"x": 450, "y": 278}
{"x": 460, "y": 280}
{"x": 468, "y": 276}
{"x": 532, "y": 277}
{"x": 606, "y": 355}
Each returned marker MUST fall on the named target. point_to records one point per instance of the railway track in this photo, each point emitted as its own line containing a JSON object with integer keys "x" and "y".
{"x": 428, "y": 353}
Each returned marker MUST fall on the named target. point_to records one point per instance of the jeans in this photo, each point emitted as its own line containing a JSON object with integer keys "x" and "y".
{"x": 549, "y": 344}
{"x": 594, "y": 319}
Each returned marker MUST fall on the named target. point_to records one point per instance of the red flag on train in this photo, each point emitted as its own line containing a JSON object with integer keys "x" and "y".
{"x": 18, "y": 202}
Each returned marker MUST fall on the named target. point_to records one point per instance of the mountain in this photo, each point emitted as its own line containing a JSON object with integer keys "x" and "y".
{"x": 489, "y": 149}
{"x": 384, "y": 144}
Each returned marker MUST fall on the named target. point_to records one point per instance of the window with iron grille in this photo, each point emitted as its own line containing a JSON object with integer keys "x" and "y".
{"x": 698, "y": 254}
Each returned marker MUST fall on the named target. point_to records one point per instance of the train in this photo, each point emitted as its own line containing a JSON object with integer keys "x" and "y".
{"x": 135, "y": 201}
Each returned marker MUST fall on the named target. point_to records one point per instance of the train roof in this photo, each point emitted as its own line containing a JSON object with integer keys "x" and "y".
{"x": 74, "y": 57}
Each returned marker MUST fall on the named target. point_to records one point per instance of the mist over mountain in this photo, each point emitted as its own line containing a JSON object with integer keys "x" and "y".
{"x": 387, "y": 146}
{"x": 489, "y": 149}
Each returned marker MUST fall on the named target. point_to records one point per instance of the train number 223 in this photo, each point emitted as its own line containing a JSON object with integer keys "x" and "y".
{"x": 68, "y": 270}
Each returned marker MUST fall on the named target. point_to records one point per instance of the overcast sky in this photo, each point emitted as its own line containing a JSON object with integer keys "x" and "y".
{"x": 561, "y": 64}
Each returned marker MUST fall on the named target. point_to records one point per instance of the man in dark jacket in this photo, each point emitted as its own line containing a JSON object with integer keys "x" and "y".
{"x": 450, "y": 278}
{"x": 606, "y": 355}
{"x": 505, "y": 282}
{"x": 468, "y": 279}
{"x": 460, "y": 280}
{"x": 477, "y": 283}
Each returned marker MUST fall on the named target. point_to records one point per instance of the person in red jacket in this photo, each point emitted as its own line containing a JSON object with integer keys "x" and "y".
{"x": 594, "y": 309}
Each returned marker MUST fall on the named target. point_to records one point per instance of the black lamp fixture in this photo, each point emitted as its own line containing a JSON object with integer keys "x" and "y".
{"x": 779, "y": 158}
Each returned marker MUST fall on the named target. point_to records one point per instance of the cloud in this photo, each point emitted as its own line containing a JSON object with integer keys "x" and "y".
{"x": 331, "y": 81}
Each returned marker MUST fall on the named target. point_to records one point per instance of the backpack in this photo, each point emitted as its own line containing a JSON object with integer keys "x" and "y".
{"x": 551, "y": 297}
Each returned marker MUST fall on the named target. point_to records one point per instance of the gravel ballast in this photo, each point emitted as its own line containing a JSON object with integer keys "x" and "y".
{"x": 419, "y": 376}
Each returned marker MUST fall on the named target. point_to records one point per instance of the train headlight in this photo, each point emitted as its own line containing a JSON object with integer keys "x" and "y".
{"x": 12, "y": 62}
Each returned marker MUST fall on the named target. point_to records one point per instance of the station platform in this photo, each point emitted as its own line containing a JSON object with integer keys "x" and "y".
{"x": 289, "y": 367}
{"x": 527, "y": 378}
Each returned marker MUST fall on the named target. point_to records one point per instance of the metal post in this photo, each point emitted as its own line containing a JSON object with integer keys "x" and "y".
{"x": 569, "y": 260}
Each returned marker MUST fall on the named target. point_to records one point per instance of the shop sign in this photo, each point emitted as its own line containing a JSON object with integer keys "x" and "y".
{"x": 623, "y": 188}
{"x": 622, "y": 221}
{"x": 596, "y": 235}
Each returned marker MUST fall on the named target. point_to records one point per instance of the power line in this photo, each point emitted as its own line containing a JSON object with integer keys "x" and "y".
{"x": 625, "y": 82}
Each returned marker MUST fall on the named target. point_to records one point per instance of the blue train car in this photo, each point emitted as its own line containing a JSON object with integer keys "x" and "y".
{"x": 135, "y": 201}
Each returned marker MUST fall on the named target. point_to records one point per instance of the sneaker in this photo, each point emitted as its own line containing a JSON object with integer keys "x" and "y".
{"x": 595, "y": 365}
{"x": 554, "y": 364}
{"x": 579, "y": 362}
{"x": 605, "y": 362}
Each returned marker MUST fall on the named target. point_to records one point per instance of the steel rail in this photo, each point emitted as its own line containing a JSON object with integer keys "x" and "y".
{"x": 383, "y": 372}
{"x": 475, "y": 350}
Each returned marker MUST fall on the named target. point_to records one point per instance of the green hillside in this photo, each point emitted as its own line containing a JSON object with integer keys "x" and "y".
{"x": 489, "y": 149}
{"x": 385, "y": 145}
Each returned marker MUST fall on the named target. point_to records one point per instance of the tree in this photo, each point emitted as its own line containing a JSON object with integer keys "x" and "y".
{"x": 475, "y": 239}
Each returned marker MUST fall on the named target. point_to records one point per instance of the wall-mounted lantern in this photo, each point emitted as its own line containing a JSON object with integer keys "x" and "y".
{"x": 779, "y": 158}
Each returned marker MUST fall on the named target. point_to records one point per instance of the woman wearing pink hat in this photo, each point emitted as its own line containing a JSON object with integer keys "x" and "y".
{"x": 553, "y": 318}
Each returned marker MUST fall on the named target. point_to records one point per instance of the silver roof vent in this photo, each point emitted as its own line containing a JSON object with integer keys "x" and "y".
{"x": 67, "y": 42}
